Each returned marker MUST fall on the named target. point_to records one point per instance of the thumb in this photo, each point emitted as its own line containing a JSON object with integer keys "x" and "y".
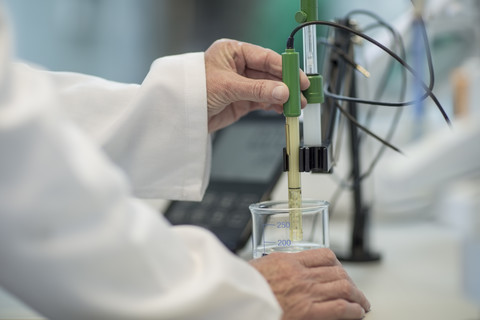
{"x": 264, "y": 91}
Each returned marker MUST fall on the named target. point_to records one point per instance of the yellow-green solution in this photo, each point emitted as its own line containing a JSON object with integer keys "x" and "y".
{"x": 292, "y": 131}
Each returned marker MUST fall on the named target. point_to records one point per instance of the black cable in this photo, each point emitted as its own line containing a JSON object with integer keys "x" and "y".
{"x": 426, "y": 45}
{"x": 378, "y": 103}
{"x": 342, "y": 54}
{"x": 343, "y": 184}
{"x": 398, "y": 41}
{"x": 290, "y": 45}
{"x": 387, "y": 74}
{"x": 374, "y": 102}
{"x": 347, "y": 114}
{"x": 356, "y": 123}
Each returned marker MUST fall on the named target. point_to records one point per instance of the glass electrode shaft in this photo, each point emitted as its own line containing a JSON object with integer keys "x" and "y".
{"x": 292, "y": 110}
{"x": 292, "y": 130}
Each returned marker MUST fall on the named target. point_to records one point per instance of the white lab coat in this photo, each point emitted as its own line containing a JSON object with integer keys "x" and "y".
{"x": 75, "y": 243}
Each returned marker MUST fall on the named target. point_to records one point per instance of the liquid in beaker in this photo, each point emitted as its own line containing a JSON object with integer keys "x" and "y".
{"x": 271, "y": 227}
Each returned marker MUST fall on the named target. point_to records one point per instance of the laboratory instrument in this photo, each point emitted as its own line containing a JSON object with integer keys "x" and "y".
{"x": 296, "y": 158}
{"x": 271, "y": 226}
{"x": 292, "y": 110}
{"x": 316, "y": 155}
{"x": 318, "y": 158}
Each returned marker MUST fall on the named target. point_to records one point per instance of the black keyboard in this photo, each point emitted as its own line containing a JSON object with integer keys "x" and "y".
{"x": 225, "y": 213}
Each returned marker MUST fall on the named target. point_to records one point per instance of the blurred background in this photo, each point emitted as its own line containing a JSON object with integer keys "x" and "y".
{"x": 435, "y": 184}
{"x": 118, "y": 39}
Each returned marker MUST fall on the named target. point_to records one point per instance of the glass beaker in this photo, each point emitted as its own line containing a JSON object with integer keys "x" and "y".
{"x": 271, "y": 227}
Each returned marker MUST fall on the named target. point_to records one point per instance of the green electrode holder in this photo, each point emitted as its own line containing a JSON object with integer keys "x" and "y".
{"x": 314, "y": 93}
{"x": 291, "y": 77}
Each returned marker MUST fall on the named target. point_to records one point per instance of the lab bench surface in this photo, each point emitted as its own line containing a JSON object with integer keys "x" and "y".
{"x": 419, "y": 276}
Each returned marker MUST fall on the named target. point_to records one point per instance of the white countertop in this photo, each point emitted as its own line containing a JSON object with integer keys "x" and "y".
{"x": 419, "y": 275}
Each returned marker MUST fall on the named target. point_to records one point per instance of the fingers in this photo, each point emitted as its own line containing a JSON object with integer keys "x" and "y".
{"x": 261, "y": 63}
{"x": 312, "y": 284}
{"x": 328, "y": 274}
{"x": 261, "y": 59}
{"x": 337, "y": 309}
{"x": 254, "y": 74}
{"x": 332, "y": 280}
{"x": 238, "y": 71}
{"x": 318, "y": 258}
{"x": 304, "y": 82}
{"x": 263, "y": 91}
{"x": 341, "y": 289}
{"x": 246, "y": 76}
{"x": 267, "y": 61}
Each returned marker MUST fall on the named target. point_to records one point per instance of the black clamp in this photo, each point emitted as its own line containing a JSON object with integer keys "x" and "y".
{"x": 312, "y": 159}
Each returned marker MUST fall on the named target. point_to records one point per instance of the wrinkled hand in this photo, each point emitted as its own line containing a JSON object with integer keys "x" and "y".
{"x": 312, "y": 285}
{"x": 242, "y": 77}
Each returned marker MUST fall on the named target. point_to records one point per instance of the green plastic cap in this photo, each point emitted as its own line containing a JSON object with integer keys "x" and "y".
{"x": 314, "y": 93}
{"x": 291, "y": 77}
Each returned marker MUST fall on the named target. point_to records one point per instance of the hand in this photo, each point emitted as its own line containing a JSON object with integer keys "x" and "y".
{"x": 312, "y": 285}
{"x": 242, "y": 77}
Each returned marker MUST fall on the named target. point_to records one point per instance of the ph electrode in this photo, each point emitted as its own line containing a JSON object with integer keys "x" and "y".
{"x": 292, "y": 110}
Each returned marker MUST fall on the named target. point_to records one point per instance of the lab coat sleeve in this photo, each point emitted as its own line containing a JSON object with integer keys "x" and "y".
{"x": 156, "y": 132}
{"x": 75, "y": 244}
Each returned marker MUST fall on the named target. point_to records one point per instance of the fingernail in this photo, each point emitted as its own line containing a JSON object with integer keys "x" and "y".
{"x": 280, "y": 93}
{"x": 363, "y": 314}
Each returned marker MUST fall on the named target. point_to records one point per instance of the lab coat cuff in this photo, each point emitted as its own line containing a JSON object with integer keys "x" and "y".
{"x": 182, "y": 169}
{"x": 199, "y": 141}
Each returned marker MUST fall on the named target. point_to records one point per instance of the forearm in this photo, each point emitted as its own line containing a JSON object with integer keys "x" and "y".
{"x": 74, "y": 244}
